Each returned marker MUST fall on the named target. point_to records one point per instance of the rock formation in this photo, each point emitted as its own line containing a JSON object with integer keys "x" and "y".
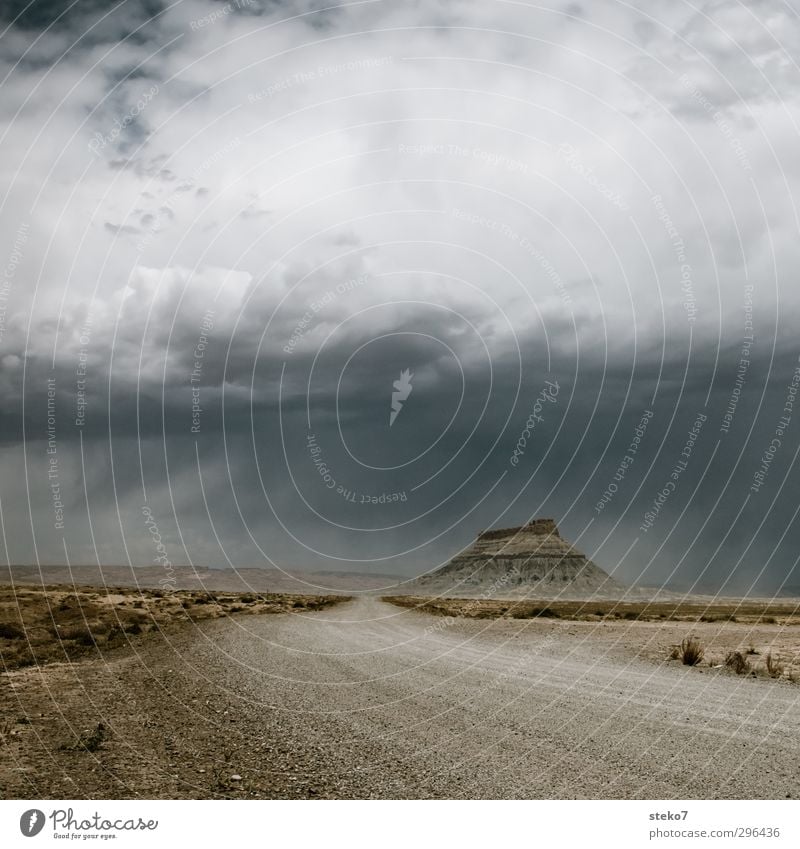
{"x": 531, "y": 561}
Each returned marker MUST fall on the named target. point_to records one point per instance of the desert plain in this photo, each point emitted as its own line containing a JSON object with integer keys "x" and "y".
{"x": 135, "y": 693}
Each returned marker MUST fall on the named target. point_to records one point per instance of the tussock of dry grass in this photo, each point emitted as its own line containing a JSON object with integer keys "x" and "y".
{"x": 691, "y": 651}
{"x": 775, "y": 667}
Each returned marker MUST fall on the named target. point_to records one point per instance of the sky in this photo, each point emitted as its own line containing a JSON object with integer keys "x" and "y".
{"x": 336, "y": 286}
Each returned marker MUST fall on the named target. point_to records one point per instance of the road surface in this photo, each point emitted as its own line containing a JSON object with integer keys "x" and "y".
{"x": 370, "y": 700}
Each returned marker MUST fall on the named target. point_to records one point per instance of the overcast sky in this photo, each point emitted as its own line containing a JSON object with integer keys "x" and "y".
{"x": 228, "y": 228}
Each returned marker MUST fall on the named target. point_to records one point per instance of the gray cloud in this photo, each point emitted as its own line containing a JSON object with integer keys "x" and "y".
{"x": 308, "y": 204}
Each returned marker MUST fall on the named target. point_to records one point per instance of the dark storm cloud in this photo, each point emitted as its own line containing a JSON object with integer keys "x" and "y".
{"x": 41, "y": 14}
{"x": 213, "y": 305}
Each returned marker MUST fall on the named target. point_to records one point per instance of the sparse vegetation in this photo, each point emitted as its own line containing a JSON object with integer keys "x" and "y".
{"x": 743, "y": 612}
{"x": 59, "y": 623}
{"x": 90, "y": 740}
{"x": 691, "y": 651}
{"x": 9, "y": 631}
{"x": 775, "y": 667}
{"x": 733, "y": 646}
{"x": 736, "y": 661}
{"x": 527, "y": 612}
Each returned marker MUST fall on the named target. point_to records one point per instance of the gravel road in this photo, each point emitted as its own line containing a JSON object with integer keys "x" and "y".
{"x": 370, "y": 700}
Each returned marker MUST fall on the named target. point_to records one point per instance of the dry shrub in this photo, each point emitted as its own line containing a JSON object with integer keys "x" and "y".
{"x": 89, "y": 740}
{"x": 17, "y": 657}
{"x": 774, "y": 666}
{"x": 10, "y": 631}
{"x": 536, "y": 613}
{"x": 736, "y": 661}
{"x": 691, "y": 651}
{"x": 79, "y": 633}
{"x": 674, "y": 652}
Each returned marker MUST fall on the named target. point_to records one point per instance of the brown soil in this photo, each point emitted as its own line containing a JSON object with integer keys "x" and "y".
{"x": 40, "y": 625}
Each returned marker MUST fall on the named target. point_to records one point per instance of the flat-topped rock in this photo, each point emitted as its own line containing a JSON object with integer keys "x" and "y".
{"x": 539, "y": 527}
{"x": 532, "y": 560}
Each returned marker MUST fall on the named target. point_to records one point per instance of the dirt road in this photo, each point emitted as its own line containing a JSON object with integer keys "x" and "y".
{"x": 370, "y": 700}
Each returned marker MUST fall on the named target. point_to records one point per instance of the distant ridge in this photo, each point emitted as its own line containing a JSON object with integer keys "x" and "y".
{"x": 246, "y": 579}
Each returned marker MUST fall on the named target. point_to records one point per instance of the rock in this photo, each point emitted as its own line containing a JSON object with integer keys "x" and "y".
{"x": 236, "y": 778}
{"x": 532, "y": 561}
